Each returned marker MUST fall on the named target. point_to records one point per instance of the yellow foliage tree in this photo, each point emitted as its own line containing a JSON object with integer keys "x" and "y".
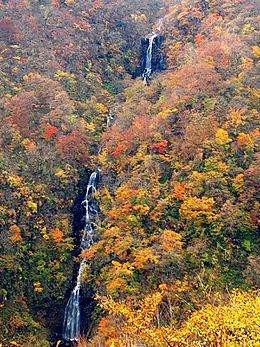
{"x": 234, "y": 324}
{"x": 222, "y": 137}
{"x": 198, "y": 208}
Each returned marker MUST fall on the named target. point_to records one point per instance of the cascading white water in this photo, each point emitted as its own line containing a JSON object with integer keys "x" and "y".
{"x": 149, "y": 53}
{"x": 148, "y": 63}
{"x": 71, "y": 322}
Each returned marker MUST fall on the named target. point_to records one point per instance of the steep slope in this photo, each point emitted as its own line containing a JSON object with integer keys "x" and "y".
{"x": 178, "y": 197}
{"x": 180, "y": 167}
{"x": 61, "y": 64}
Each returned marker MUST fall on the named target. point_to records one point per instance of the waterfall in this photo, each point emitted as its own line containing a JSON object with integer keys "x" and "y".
{"x": 149, "y": 53}
{"x": 71, "y": 322}
{"x": 148, "y": 62}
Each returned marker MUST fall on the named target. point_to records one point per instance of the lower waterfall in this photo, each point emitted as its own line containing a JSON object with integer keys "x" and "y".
{"x": 71, "y": 322}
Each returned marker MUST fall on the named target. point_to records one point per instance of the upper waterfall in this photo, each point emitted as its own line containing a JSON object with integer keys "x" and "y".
{"x": 149, "y": 53}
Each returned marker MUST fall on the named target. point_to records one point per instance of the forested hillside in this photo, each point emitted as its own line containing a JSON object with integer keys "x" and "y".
{"x": 175, "y": 258}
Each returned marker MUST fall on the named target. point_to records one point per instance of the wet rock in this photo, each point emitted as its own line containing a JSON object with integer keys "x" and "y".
{"x": 158, "y": 58}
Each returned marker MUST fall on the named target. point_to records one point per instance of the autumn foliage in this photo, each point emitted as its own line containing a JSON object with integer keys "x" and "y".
{"x": 235, "y": 323}
{"x": 50, "y": 131}
{"x": 175, "y": 260}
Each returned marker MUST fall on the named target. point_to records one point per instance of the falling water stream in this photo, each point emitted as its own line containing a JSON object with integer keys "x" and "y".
{"x": 149, "y": 53}
{"x": 71, "y": 322}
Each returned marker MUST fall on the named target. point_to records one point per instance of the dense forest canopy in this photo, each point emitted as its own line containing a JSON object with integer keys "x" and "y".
{"x": 175, "y": 258}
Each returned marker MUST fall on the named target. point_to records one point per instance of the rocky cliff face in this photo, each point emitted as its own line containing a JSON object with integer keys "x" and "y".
{"x": 158, "y": 57}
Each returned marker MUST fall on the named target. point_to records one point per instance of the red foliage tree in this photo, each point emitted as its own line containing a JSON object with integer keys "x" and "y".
{"x": 50, "y": 131}
{"x": 72, "y": 146}
{"x": 160, "y": 147}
